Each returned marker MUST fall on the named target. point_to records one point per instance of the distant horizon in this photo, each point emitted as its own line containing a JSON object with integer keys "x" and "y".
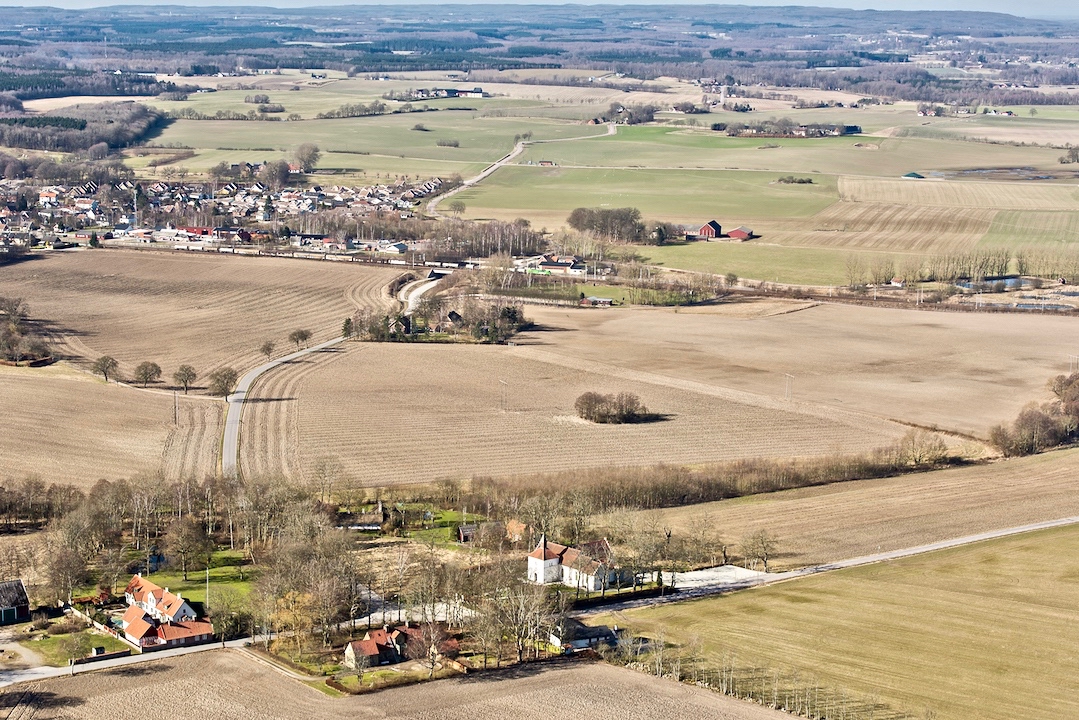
{"x": 1035, "y": 9}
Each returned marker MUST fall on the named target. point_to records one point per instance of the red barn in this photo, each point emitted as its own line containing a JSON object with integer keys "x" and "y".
{"x": 740, "y": 233}
{"x": 711, "y": 229}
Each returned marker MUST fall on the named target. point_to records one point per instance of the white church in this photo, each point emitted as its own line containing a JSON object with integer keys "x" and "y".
{"x": 588, "y": 567}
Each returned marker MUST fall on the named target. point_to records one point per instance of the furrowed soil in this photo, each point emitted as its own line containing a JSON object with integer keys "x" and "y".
{"x": 963, "y": 372}
{"x": 394, "y": 413}
{"x": 65, "y": 425}
{"x": 204, "y": 310}
{"x": 225, "y": 685}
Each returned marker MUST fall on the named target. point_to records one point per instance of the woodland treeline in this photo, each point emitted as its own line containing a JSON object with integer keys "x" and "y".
{"x": 81, "y": 127}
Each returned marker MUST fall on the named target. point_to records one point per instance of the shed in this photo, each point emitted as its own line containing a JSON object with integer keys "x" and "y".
{"x": 741, "y": 233}
{"x": 14, "y": 605}
{"x": 913, "y": 176}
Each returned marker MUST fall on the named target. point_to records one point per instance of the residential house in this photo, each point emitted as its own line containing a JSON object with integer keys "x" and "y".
{"x": 157, "y": 619}
{"x": 588, "y": 567}
{"x": 388, "y": 646}
{"x": 573, "y": 635}
{"x": 14, "y": 605}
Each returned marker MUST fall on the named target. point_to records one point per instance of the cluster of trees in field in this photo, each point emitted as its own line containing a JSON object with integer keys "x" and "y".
{"x": 1044, "y": 426}
{"x": 19, "y": 341}
{"x": 375, "y": 107}
{"x": 264, "y": 112}
{"x": 480, "y": 320}
{"x": 623, "y": 225}
{"x": 612, "y": 409}
{"x": 630, "y": 114}
{"x": 82, "y": 126}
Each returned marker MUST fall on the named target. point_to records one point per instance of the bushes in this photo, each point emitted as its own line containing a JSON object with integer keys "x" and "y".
{"x": 448, "y": 143}
{"x": 611, "y": 409}
{"x": 1038, "y": 428}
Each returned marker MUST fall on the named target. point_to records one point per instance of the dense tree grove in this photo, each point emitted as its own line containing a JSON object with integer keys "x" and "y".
{"x": 79, "y": 127}
{"x": 1040, "y": 427}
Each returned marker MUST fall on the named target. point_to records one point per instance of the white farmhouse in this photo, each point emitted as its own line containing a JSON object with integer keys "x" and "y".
{"x": 588, "y": 567}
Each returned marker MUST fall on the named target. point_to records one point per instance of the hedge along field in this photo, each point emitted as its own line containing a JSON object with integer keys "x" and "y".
{"x": 982, "y": 631}
{"x": 482, "y": 139}
{"x": 548, "y": 195}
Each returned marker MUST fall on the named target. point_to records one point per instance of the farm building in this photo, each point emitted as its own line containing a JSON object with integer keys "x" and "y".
{"x": 595, "y": 302}
{"x": 14, "y": 605}
{"x": 710, "y": 229}
{"x": 388, "y": 646}
{"x": 740, "y": 233}
{"x": 156, "y": 618}
{"x": 588, "y": 567}
{"x": 572, "y": 635}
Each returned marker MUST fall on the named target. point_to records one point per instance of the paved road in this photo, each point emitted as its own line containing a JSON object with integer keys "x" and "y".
{"x": 230, "y": 446}
{"x": 721, "y": 586}
{"x": 432, "y": 204}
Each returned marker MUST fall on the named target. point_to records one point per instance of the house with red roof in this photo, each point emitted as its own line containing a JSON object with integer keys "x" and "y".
{"x": 588, "y": 567}
{"x": 156, "y": 618}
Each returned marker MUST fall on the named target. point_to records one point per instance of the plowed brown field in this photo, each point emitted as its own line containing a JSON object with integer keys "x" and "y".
{"x": 225, "y": 685}
{"x": 67, "y": 426}
{"x": 413, "y": 413}
{"x": 205, "y": 310}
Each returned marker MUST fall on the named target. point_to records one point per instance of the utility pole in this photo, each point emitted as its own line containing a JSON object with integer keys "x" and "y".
{"x": 503, "y": 384}
{"x": 789, "y": 390}
{"x": 175, "y": 408}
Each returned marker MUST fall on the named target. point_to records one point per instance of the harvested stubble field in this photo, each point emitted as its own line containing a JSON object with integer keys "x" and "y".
{"x": 66, "y": 426}
{"x": 983, "y": 631}
{"x": 205, "y": 310}
{"x": 373, "y": 406}
{"x": 834, "y": 522}
{"x": 952, "y": 193}
{"x": 225, "y": 685}
{"x": 964, "y": 372}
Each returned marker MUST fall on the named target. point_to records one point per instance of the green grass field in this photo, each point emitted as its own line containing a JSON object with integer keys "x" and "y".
{"x": 984, "y": 631}
{"x": 547, "y": 195}
{"x": 773, "y": 263}
{"x": 1011, "y": 228}
{"x": 56, "y": 649}
{"x": 224, "y": 576}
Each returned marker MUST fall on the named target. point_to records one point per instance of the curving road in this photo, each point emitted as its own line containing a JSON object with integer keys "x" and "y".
{"x": 432, "y": 204}
{"x": 230, "y": 444}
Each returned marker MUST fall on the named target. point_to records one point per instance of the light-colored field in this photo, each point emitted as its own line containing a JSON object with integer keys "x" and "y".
{"x": 224, "y": 685}
{"x": 845, "y": 520}
{"x": 205, "y": 310}
{"x": 983, "y": 631}
{"x": 940, "y": 193}
{"x": 66, "y": 426}
{"x": 963, "y": 372}
{"x": 892, "y": 227}
{"x": 1013, "y": 228}
{"x": 414, "y": 413}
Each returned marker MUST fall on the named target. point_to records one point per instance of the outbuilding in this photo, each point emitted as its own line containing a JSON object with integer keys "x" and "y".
{"x": 14, "y": 605}
{"x": 710, "y": 229}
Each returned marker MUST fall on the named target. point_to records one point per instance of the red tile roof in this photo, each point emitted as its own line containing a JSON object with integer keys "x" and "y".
{"x": 140, "y": 586}
{"x": 133, "y": 613}
{"x": 140, "y": 629}
{"x": 182, "y": 630}
{"x": 366, "y": 648}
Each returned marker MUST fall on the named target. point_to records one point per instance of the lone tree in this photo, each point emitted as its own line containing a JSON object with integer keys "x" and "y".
{"x": 185, "y": 542}
{"x": 299, "y": 337}
{"x": 104, "y": 366}
{"x": 223, "y": 381}
{"x": 307, "y": 156}
{"x": 147, "y": 372}
{"x": 613, "y": 409}
{"x": 184, "y": 376}
{"x": 347, "y": 330}
{"x": 759, "y": 546}
{"x": 267, "y": 348}
{"x": 457, "y": 207}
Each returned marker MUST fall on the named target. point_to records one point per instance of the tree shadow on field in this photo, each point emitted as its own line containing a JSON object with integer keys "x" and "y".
{"x": 143, "y": 669}
{"x": 526, "y": 337}
{"x": 524, "y": 670}
{"x": 27, "y": 703}
{"x": 256, "y": 401}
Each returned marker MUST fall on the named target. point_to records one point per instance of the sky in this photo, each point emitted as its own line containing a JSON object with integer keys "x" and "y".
{"x": 1029, "y": 8}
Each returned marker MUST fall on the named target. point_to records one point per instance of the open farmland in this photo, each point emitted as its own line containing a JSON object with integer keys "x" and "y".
{"x": 834, "y": 522}
{"x": 205, "y": 310}
{"x": 1004, "y": 196}
{"x": 962, "y": 372}
{"x": 547, "y": 195}
{"x": 440, "y": 406}
{"x": 982, "y": 631}
{"x": 66, "y": 426}
{"x": 225, "y": 685}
